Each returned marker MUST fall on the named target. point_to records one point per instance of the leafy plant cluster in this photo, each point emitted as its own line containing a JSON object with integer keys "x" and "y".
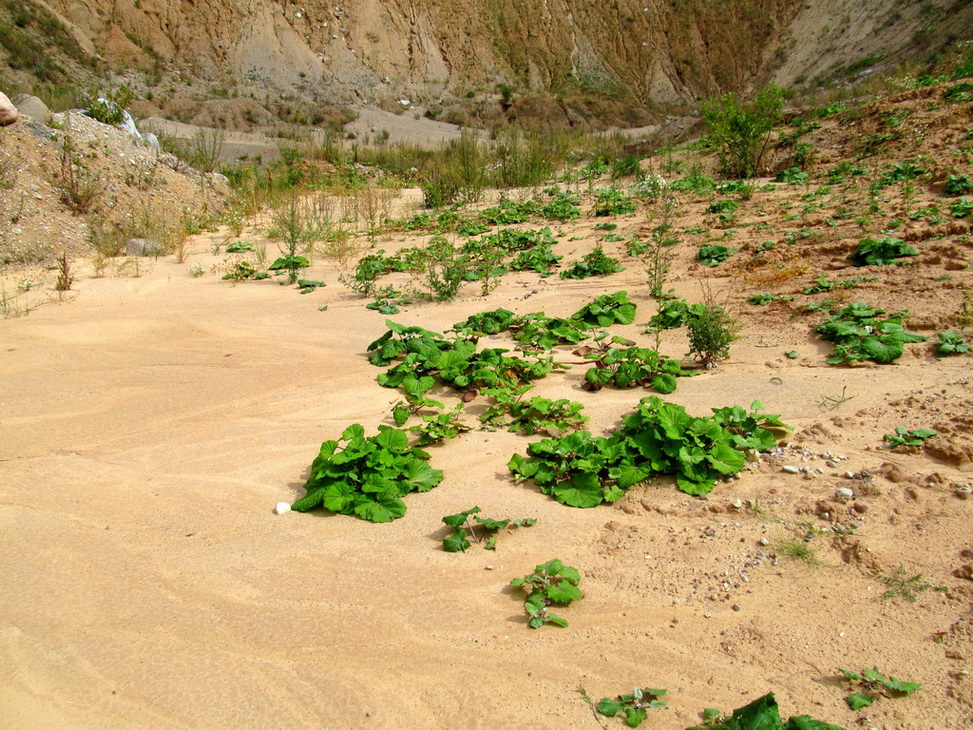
{"x": 551, "y": 584}
{"x": 951, "y": 343}
{"x": 367, "y": 475}
{"x": 612, "y": 202}
{"x": 859, "y": 333}
{"x": 824, "y": 285}
{"x": 464, "y": 529}
{"x": 905, "y": 437}
{"x": 582, "y": 470}
{"x": 713, "y": 255}
{"x": 424, "y": 356}
{"x": 633, "y": 706}
{"x": 870, "y": 684}
{"x": 595, "y": 263}
{"x": 534, "y": 415}
{"x": 626, "y": 367}
{"x": 882, "y": 251}
{"x": 761, "y": 714}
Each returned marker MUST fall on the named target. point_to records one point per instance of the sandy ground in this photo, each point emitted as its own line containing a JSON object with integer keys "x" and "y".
{"x": 149, "y": 426}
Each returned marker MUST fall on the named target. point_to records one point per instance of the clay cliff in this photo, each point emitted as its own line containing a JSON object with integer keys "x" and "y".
{"x": 636, "y": 51}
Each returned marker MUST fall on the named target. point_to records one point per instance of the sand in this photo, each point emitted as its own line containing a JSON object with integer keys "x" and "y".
{"x": 149, "y": 425}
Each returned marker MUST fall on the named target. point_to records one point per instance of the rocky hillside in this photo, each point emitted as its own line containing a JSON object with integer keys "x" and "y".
{"x": 373, "y": 51}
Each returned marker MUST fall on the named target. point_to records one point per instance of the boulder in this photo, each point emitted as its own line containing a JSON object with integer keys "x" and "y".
{"x": 31, "y": 106}
{"x": 151, "y": 140}
{"x": 8, "y": 112}
{"x": 143, "y": 247}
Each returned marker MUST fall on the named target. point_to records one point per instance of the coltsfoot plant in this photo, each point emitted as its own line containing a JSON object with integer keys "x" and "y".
{"x": 582, "y": 470}
{"x": 367, "y": 476}
{"x": 761, "y": 714}
{"x": 872, "y": 684}
{"x": 633, "y": 706}
{"x": 551, "y": 583}
{"x": 485, "y": 528}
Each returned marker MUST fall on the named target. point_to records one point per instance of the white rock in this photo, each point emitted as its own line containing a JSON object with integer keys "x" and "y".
{"x": 8, "y": 112}
{"x": 844, "y": 494}
{"x": 791, "y": 469}
{"x": 281, "y": 508}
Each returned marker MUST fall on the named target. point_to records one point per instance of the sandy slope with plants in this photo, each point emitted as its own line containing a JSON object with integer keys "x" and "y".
{"x": 150, "y": 424}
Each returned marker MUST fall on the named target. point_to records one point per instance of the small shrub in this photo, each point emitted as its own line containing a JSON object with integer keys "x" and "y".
{"x": 951, "y": 343}
{"x": 740, "y": 131}
{"x": 551, "y": 583}
{"x": 711, "y": 332}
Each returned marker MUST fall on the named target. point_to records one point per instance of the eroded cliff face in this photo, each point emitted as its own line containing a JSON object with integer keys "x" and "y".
{"x": 367, "y": 50}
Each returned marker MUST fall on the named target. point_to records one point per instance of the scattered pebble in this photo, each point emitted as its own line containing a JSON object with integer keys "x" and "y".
{"x": 735, "y": 607}
{"x": 791, "y": 469}
{"x": 764, "y": 541}
{"x": 707, "y": 615}
{"x": 281, "y": 508}
{"x": 843, "y": 494}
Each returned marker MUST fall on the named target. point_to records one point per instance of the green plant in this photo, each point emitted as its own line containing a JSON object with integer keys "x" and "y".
{"x": 562, "y": 206}
{"x": 711, "y": 332}
{"x": 899, "y": 586}
{"x": 596, "y": 263}
{"x": 713, "y": 255}
{"x": 905, "y": 437}
{"x": 765, "y": 298}
{"x": 582, "y": 470}
{"x": 625, "y": 367}
{"x": 761, "y": 714}
{"x": 486, "y": 323}
{"x": 540, "y": 332}
{"x": 661, "y": 253}
{"x": 882, "y": 251}
{"x": 541, "y": 259}
{"x": 961, "y": 208}
{"x": 674, "y": 313}
{"x": 464, "y": 529}
{"x": 507, "y": 212}
{"x": 859, "y": 333}
{"x": 551, "y": 583}
{"x": 79, "y": 185}
{"x": 792, "y": 175}
{"x": 870, "y": 684}
{"x": 740, "y": 132}
{"x": 613, "y": 202}
{"x": 440, "y": 427}
{"x": 535, "y": 415}
{"x": 298, "y": 225}
{"x": 445, "y": 269}
{"x": 367, "y": 476}
{"x": 824, "y": 285}
{"x": 633, "y": 706}
{"x": 951, "y": 343}
{"x": 606, "y": 310}
{"x": 958, "y": 185}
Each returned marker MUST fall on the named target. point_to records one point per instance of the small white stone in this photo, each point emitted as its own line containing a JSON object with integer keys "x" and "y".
{"x": 844, "y": 494}
{"x": 281, "y": 508}
{"x": 791, "y": 469}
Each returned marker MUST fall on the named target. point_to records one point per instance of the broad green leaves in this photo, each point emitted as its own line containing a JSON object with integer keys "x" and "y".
{"x": 872, "y": 684}
{"x": 368, "y": 476}
{"x": 859, "y": 334}
{"x": 905, "y": 437}
{"x": 582, "y": 470}
{"x": 882, "y": 251}
{"x": 761, "y": 714}
{"x": 484, "y": 527}
{"x": 633, "y": 706}
{"x": 551, "y": 583}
